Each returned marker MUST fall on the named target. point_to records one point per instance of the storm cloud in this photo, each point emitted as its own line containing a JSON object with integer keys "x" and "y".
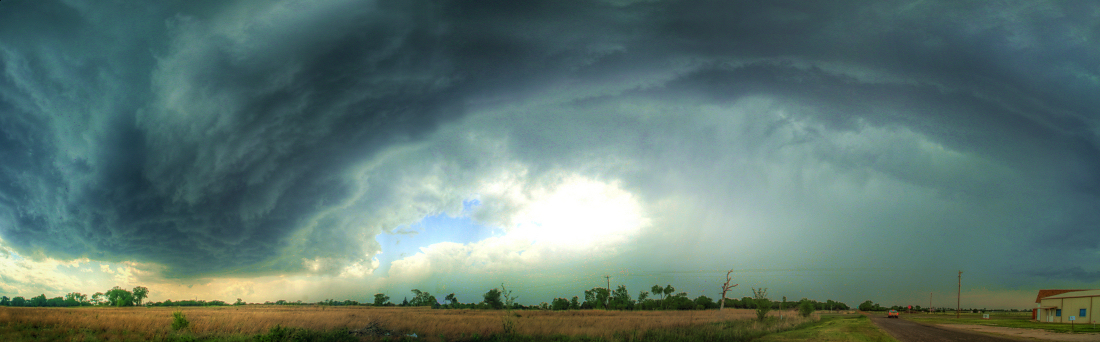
{"x": 256, "y": 139}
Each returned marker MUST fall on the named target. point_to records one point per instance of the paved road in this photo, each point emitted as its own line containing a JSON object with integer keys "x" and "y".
{"x": 907, "y": 331}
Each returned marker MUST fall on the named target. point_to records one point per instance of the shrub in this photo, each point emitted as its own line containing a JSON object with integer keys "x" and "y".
{"x": 280, "y": 334}
{"x": 806, "y": 308}
{"x": 763, "y": 304}
{"x": 179, "y": 322}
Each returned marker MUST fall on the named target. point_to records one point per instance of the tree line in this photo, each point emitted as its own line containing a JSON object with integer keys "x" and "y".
{"x": 116, "y": 296}
{"x": 872, "y": 306}
{"x": 657, "y": 298}
{"x": 662, "y": 298}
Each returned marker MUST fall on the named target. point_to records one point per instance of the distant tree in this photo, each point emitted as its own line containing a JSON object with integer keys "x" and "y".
{"x": 281, "y": 302}
{"x": 405, "y": 302}
{"x": 55, "y": 302}
{"x": 380, "y": 299}
{"x": 140, "y": 293}
{"x": 239, "y": 302}
{"x": 867, "y": 306}
{"x": 38, "y": 301}
{"x": 99, "y": 298}
{"x": 4, "y": 301}
{"x": 705, "y": 302}
{"x": 805, "y": 308}
{"x": 560, "y": 304}
{"x": 422, "y": 298}
{"x": 726, "y": 287}
{"x": 596, "y": 297}
{"x": 590, "y": 300}
{"x": 668, "y": 290}
{"x": 679, "y": 301}
{"x": 416, "y": 293}
{"x": 620, "y": 299}
{"x": 658, "y": 291}
{"x": 574, "y": 304}
{"x": 18, "y": 301}
{"x": 763, "y": 304}
{"x": 451, "y": 299}
{"x": 120, "y": 297}
{"x": 492, "y": 299}
{"x": 416, "y": 297}
{"x": 77, "y": 298}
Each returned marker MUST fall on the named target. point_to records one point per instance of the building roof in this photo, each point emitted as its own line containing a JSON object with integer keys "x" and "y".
{"x": 1048, "y": 293}
{"x": 1082, "y": 293}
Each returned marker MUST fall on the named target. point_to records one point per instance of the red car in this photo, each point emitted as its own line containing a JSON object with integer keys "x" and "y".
{"x": 892, "y": 314}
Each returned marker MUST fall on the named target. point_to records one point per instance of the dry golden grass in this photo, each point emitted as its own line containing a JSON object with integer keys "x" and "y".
{"x": 154, "y": 323}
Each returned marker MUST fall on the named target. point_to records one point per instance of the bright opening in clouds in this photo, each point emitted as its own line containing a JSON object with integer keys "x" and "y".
{"x": 305, "y": 150}
{"x": 578, "y": 214}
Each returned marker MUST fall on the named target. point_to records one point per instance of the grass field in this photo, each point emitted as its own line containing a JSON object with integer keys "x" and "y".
{"x": 1005, "y": 319}
{"x": 832, "y": 327}
{"x": 246, "y": 322}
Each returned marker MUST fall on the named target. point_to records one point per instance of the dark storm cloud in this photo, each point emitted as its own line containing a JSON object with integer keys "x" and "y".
{"x": 219, "y": 139}
{"x": 1019, "y": 135}
{"x": 1075, "y": 273}
{"x": 205, "y": 191}
{"x": 230, "y": 128}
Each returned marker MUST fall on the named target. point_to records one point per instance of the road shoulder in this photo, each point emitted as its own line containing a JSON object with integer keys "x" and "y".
{"x": 834, "y": 328}
{"x": 911, "y": 331}
{"x": 1034, "y": 334}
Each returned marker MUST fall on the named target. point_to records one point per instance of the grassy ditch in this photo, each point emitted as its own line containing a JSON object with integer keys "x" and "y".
{"x": 834, "y": 328}
{"x": 1004, "y": 320}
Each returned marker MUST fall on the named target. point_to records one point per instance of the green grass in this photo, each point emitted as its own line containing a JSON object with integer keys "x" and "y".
{"x": 834, "y": 328}
{"x": 1013, "y": 320}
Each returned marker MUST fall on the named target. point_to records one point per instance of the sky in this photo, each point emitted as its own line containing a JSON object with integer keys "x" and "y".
{"x": 312, "y": 150}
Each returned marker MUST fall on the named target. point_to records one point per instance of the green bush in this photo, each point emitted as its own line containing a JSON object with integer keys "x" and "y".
{"x": 763, "y": 304}
{"x": 280, "y": 334}
{"x": 179, "y": 322}
{"x": 806, "y": 308}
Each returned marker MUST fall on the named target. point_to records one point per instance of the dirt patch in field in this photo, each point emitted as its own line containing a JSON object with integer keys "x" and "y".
{"x": 1026, "y": 333}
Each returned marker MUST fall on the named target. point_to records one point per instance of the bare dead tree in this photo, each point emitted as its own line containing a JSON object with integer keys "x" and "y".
{"x": 726, "y": 287}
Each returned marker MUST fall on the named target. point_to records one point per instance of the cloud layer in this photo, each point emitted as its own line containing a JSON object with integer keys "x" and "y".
{"x": 245, "y": 140}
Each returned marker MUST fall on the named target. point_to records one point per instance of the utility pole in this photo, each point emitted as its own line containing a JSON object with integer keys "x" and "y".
{"x": 958, "y": 301}
{"x": 607, "y": 301}
{"x": 930, "y": 302}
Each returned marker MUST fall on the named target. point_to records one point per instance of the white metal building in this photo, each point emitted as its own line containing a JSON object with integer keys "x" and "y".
{"x": 1079, "y": 306}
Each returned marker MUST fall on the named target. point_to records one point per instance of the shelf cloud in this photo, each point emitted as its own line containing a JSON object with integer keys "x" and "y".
{"x": 205, "y": 141}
